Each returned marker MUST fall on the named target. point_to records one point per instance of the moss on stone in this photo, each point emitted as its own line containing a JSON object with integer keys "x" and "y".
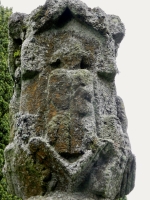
{"x": 17, "y": 53}
{"x": 39, "y": 14}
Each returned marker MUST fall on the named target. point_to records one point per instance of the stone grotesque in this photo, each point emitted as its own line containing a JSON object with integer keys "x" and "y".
{"x": 68, "y": 134}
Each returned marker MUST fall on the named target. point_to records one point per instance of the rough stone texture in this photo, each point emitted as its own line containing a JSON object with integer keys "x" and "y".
{"x": 68, "y": 126}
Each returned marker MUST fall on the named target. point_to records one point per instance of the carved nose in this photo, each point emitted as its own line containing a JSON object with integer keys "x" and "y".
{"x": 107, "y": 70}
{"x": 109, "y": 76}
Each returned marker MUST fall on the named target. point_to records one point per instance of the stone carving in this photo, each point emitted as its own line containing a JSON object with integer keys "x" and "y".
{"x": 68, "y": 126}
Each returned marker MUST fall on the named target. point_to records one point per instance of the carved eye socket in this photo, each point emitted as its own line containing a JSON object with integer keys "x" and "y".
{"x": 29, "y": 74}
{"x": 56, "y": 63}
{"x": 85, "y": 63}
{"x": 18, "y": 41}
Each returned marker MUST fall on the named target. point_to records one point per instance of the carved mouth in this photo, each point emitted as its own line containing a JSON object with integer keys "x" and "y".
{"x": 71, "y": 157}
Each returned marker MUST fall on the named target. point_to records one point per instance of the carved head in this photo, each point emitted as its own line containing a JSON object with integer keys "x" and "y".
{"x": 64, "y": 108}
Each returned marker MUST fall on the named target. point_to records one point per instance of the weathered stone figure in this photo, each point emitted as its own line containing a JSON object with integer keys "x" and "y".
{"x": 68, "y": 126}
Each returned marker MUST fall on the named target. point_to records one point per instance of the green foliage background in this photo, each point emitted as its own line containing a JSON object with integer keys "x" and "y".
{"x": 5, "y": 94}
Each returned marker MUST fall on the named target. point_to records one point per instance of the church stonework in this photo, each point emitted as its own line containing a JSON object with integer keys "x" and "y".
{"x": 68, "y": 136}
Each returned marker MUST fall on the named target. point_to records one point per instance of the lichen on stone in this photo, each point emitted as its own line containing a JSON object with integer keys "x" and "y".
{"x": 68, "y": 126}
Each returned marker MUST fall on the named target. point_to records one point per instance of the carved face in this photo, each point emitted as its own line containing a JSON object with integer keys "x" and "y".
{"x": 67, "y": 68}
